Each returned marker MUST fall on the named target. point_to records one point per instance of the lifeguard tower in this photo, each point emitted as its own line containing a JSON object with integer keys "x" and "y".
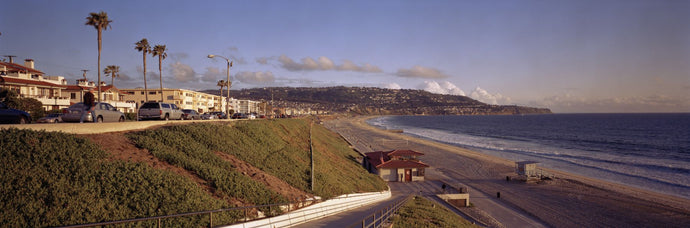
{"x": 527, "y": 170}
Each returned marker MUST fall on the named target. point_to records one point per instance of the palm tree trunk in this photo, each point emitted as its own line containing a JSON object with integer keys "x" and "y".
{"x": 160, "y": 73}
{"x": 99, "y": 64}
{"x": 146, "y": 93}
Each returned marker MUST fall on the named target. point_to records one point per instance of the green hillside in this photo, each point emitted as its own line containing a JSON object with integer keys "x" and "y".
{"x": 53, "y": 179}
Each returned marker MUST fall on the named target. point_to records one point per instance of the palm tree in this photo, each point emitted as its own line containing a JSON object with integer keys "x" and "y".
{"x": 159, "y": 50}
{"x": 113, "y": 71}
{"x": 100, "y": 22}
{"x": 222, "y": 84}
{"x": 143, "y": 46}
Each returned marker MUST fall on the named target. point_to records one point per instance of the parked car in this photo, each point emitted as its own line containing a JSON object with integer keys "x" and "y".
{"x": 239, "y": 116}
{"x": 190, "y": 114}
{"x": 209, "y": 116}
{"x": 103, "y": 112}
{"x": 220, "y": 115}
{"x": 159, "y": 111}
{"x": 13, "y": 116}
{"x": 51, "y": 118}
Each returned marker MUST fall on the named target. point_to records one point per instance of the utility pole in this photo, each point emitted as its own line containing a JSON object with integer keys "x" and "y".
{"x": 311, "y": 151}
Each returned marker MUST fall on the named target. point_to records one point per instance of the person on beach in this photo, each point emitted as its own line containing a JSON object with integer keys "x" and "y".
{"x": 89, "y": 104}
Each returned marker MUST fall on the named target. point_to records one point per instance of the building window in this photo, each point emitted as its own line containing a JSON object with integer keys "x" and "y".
{"x": 73, "y": 96}
{"x": 153, "y": 92}
{"x": 142, "y": 92}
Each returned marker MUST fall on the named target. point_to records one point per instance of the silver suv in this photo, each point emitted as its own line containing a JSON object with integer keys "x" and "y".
{"x": 159, "y": 111}
{"x": 103, "y": 112}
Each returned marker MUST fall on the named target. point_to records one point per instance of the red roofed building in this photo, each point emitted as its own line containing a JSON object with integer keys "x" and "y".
{"x": 31, "y": 83}
{"x": 396, "y": 165}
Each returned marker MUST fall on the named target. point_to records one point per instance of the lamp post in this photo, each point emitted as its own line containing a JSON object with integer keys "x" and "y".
{"x": 227, "y": 100}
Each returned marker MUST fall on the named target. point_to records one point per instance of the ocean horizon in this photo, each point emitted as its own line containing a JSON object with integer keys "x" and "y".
{"x": 645, "y": 150}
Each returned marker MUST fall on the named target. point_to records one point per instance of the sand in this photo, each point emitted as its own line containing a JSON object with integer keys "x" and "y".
{"x": 565, "y": 201}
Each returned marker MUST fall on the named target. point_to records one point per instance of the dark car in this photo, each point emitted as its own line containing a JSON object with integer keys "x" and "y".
{"x": 239, "y": 116}
{"x": 13, "y": 116}
{"x": 220, "y": 115}
{"x": 190, "y": 114}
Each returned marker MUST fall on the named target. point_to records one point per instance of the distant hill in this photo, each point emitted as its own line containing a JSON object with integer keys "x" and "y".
{"x": 376, "y": 101}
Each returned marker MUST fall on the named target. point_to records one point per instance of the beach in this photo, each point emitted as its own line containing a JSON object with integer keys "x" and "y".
{"x": 567, "y": 200}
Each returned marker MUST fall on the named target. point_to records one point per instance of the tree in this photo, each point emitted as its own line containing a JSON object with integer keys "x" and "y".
{"x": 113, "y": 71}
{"x": 100, "y": 22}
{"x": 159, "y": 50}
{"x": 143, "y": 46}
{"x": 31, "y": 105}
{"x": 221, "y": 84}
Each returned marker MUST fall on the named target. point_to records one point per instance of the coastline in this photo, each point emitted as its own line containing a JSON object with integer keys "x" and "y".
{"x": 568, "y": 200}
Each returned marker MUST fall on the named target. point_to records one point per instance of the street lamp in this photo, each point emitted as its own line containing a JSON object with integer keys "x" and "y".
{"x": 227, "y": 100}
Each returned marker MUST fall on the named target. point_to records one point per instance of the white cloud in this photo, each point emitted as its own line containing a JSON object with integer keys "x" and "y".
{"x": 442, "y": 88}
{"x": 392, "y": 85}
{"x": 183, "y": 72}
{"x": 256, "y": 77}
{"x": 486, "y": 97}
{"x": 262, "y": 60}
{"x": 213, "y": 74}
{"x": 321, "y": 63}
{"x": 420, "y": 72}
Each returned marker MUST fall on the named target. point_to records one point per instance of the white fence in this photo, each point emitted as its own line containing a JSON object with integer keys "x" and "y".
{"x": 317, "y": 211}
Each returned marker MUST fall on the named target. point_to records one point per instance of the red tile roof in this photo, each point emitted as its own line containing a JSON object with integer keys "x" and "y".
{"x": 16, "y": 67}
{"x": 402, "y": 164}
{"x": 5, "y": 80}
{"x": 382, "y": 159}
{"x": 404, "y": 153}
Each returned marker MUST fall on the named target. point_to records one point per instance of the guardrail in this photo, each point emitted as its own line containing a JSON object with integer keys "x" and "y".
{"x": 383, "y": 215}
{"x": 317, "y": 211}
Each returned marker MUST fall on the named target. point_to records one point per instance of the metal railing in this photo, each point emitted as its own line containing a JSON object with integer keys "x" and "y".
{"x": 383, "y": 215}
{"x": 287, "y": 207}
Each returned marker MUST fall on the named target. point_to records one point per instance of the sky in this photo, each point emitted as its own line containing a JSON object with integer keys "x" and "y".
{"x": 572, "y": 56}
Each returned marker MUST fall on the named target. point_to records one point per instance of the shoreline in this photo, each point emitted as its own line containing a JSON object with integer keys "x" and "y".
{"x": 567, "y": 201}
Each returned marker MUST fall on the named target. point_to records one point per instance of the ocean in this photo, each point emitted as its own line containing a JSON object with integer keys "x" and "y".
{"x": 648, "y": 151}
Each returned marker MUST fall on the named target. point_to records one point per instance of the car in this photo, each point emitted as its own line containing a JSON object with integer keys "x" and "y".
{"x": 220, "y": 115}
{"x": 159, "y": 111}
{"x": 208, "y": 116}
{"x": 13, "y": 116}
{"x": 51, "y": 118}
{"x": 190, "y": 114}
{"x": 239, "y": 116}
{"x": 103, "y": 112}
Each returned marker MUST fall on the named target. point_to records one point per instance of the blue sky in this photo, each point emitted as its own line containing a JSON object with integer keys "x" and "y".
{"x": 570, "y": 56}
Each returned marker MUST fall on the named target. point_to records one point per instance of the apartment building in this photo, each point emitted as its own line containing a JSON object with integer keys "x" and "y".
{"x": 185, "y": 99}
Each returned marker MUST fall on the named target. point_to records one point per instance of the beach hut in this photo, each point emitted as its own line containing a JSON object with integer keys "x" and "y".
{"x": 396, "y": 165}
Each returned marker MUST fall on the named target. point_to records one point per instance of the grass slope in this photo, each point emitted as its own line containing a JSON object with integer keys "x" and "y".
{"x": 56, "y": 179}
{"x": 421, "y": 212}
{"x": 278, "y": 147}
